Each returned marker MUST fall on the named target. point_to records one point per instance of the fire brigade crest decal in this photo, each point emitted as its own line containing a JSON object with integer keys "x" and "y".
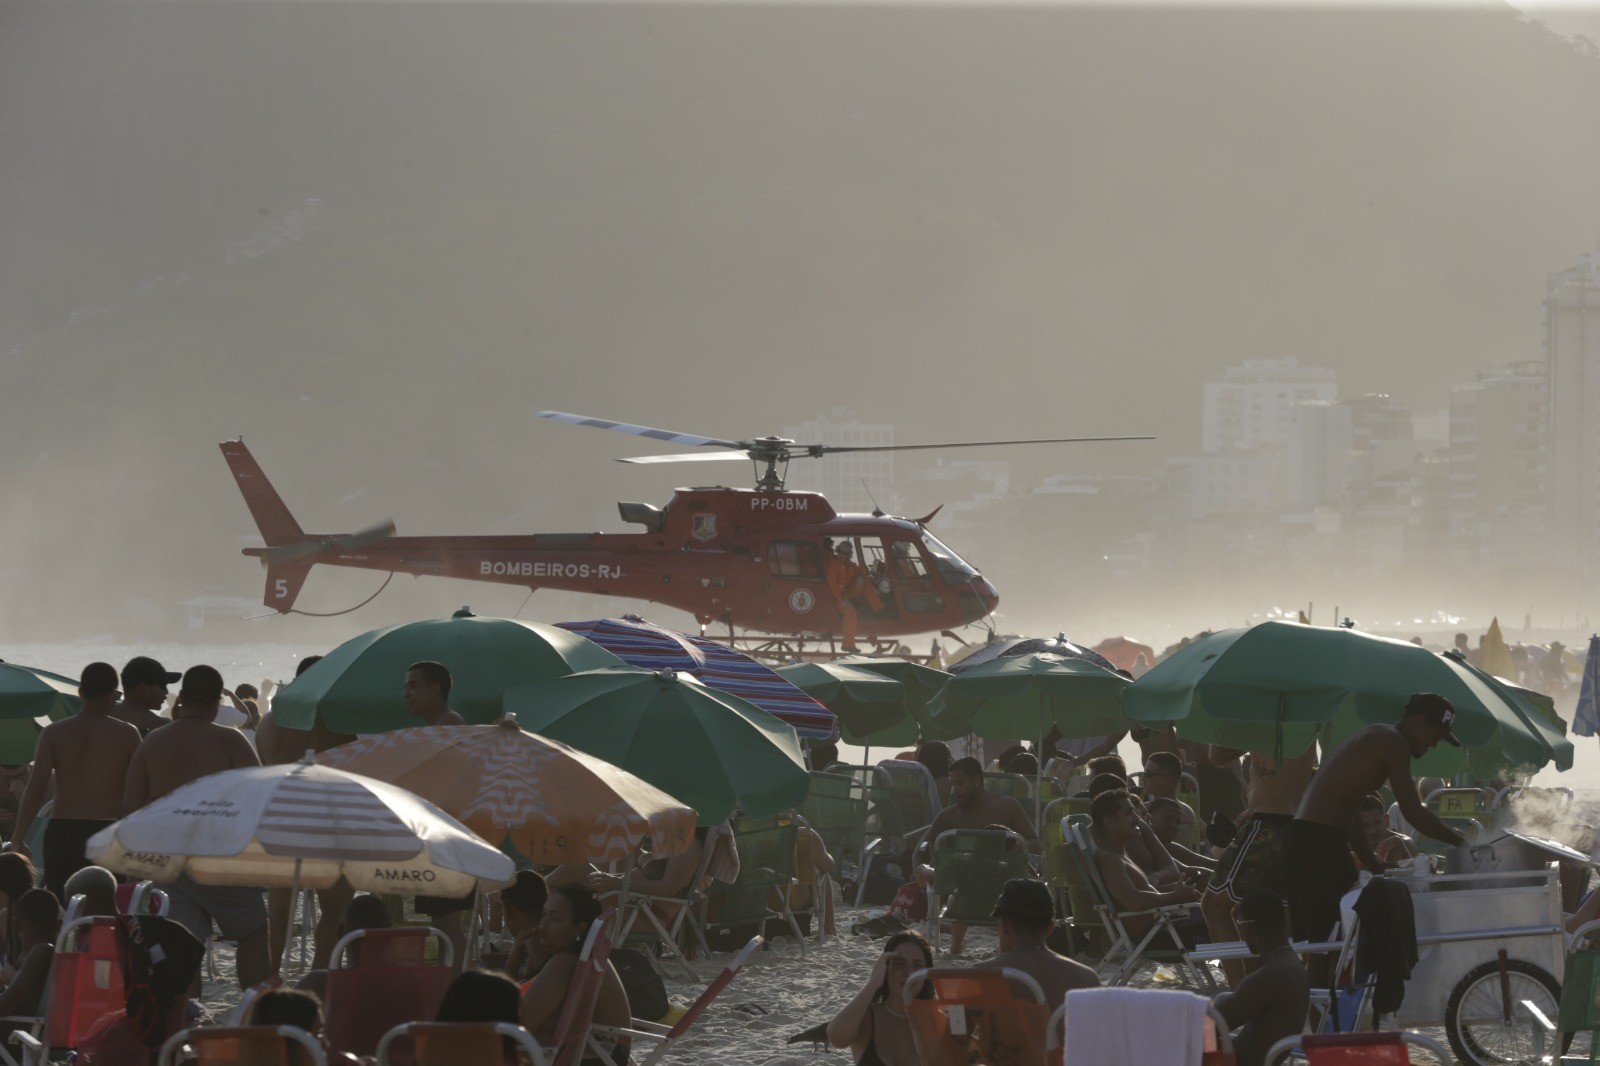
{"x": 704, "y": 527}
{"x": 801, "y": 601}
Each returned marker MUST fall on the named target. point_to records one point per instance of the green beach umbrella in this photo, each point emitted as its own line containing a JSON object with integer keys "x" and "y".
{"x": 1275, "y": 686}
{"x": 356, "y": 687}
{"x": 1025, "y": 695}
{"x": 706, "y": 748}
{"x": 1537, "y": 712}
{"x": 867, "y": 704}
{"x": 27, "y": 692}
{"x": 918, "y": 686}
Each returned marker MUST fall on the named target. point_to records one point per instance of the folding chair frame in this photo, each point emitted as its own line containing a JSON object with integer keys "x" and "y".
{"x": 523, "y": 1039}
{"x": 1292, "y": 1044}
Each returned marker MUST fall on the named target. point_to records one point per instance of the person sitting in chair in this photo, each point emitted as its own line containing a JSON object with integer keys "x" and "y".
{"x": 1025, "y": 914}
{"x": 1116, "y": 825}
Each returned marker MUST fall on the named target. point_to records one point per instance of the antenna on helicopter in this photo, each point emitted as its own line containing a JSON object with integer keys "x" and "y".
{"x": 775, "y": 451}
{"x": 877, "y": 512}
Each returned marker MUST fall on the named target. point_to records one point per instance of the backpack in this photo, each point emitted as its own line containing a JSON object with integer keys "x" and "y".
{"x": 647, "y": 996}
{"x": 159, "y": 959}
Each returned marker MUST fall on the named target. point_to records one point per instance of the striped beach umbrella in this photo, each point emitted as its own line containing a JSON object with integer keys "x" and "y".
{"x": 651, "y": 647}
{"x": 300, "y": 825}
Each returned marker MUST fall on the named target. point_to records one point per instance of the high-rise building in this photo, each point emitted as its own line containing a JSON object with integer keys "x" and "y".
{"x": 849, "y": 480}
{"x": 1253, "y": 406}
{"x": 1497, "y": 465}
{"x": 1572, "y": 359}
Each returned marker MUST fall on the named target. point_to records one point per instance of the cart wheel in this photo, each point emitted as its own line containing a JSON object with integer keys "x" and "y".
{"x": 1475, "y": 1022}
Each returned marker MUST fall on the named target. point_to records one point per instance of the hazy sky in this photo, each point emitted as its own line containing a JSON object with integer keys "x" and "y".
{"x": 374, "y": 237}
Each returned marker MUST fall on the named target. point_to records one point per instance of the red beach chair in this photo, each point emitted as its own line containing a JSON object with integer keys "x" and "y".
{"x": 1356, "y": 1049}
{"x": 386, "y": 982}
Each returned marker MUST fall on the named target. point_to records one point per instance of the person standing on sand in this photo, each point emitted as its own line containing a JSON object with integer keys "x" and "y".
{"x": 1317, "y": 865}
{"x": 144, "y": 691}
{"x": 87, "y": 758}
{"x": 427, "y": 696}
{"x": 191, "y": 747}
{"x": 1255, "y": 858}
{"x": 278, "y": 745}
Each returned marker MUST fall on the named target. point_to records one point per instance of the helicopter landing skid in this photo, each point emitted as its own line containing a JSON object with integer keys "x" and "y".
{"x": 782, "y": 651}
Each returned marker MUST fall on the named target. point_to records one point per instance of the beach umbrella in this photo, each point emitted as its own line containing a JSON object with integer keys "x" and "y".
{"x": 652, "y": 647}
{"x": 300, "y": 825}
{"x": 919, "y": 684}
{"x": 708, "y": 749}
{"x": 556, "y": 804}
{"x": 1275, "y": 686}
{"x": 1027, "y": 695}
{"x": 866, "y": 703}
{"x": 19, "y": 739}
{"x": 1125, "y": 653}
{"x": 28, "y": 692}
{"x": 1537, "y": 712}
{"x": 1015, "y": 646}
{"x": 1496, "y": 657}
{"x": 1586, "y": 719}
{"x": 356, "y": 687}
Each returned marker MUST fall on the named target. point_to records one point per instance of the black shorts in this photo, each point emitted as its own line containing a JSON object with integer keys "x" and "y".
{"x": 1254, "y": 859}
{"x": 1317, "y": 871}
{"x": 64, "y": 840}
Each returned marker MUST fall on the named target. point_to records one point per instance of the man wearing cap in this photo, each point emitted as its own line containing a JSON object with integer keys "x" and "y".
{"x": 1317, "y": 867}
{"x": 1271, "y": 1003}
{"x": 144, "y": 690}
{"x": 1026, "y": 914}
{"x": 191, "y": 747}
{"x": 87, "y": 756}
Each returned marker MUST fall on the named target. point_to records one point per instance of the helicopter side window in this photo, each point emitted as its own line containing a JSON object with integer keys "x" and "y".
{"x": 794, "y": 558}
{"x": 905, "y": 562}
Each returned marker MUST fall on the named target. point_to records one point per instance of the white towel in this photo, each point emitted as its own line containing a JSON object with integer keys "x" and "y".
{"x": 1134, "y": 1027}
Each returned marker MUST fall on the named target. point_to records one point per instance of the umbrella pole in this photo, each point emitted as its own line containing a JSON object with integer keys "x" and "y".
{"x": 472, "y": 930}
{"x": 1038, "y": 779}
{"x": 294, "y": 905}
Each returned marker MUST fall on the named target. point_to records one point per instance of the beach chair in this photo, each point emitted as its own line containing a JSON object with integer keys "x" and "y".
{"x": 970, "y": 867}
{"x": 836, "y": 807}
{"x": 1016, "y": 786}
{"x": 808, "y": 877}
{"x": 664, "y": 1037}
{"x": 577, "y": 1012}
{"x": 1470, "y": 828}
{"x": 961, "y": 1016}
{"x": 1355, "y": 1049}
{"x": 390, "y": 983}
{"x": 83, "y": 995}
{"x": 252, "y": 1045}
{"x": 646, "y": 920}
{"x": 1159, "y": 944}
{"x": 1078, "y": 899}
{"x": 1114, "y": 1007}
{"x": 766, "y": 873}
{"x": 1461, "y": 802}
{"x": 914, "y": 792}
{"x": 458, "y": 1043}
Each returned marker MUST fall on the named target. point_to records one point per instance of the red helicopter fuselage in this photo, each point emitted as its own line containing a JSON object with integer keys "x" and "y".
{"x": 750, "y": 559}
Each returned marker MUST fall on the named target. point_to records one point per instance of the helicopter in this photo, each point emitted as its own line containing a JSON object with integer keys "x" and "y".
{"x": 755, "y": 560}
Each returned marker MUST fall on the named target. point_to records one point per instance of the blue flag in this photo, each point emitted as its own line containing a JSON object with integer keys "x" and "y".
{"x": 1586, "y": 719}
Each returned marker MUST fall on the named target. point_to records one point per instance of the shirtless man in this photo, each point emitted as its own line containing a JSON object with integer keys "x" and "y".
{"x": 189, "y": 748}
{"x": 1386, "y": 844}
{"x": 1255, "y": 858}
{"x": 144, "y": 691}
{"x": 1317, "y": 867}
{"x": 1025, "y": 914}
{"x": 973, "y": 807}
{"x": 427, "y": 696}
{"x": 87, "y": 757}
{"x": 1148, "y": 851}
{"x": 1115, "y": 824}
{"x": 1272, "y": 1002}
{"x": 279, "y": 744}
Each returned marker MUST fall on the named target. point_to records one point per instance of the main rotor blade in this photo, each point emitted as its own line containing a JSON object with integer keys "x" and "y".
{"x": 827, "y": 449}
{"x": 686, "y": 457}
{"x": 671, "y": 437}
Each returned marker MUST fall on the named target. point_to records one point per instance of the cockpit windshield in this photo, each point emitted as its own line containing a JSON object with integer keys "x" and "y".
{"x": 952, "y": 567}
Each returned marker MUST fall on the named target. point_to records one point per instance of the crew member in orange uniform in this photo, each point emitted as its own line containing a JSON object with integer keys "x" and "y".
{"x": 848, "y": 582}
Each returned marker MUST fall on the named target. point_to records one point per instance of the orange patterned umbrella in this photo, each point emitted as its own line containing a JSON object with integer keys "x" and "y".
{"x": 556, "y": 803}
